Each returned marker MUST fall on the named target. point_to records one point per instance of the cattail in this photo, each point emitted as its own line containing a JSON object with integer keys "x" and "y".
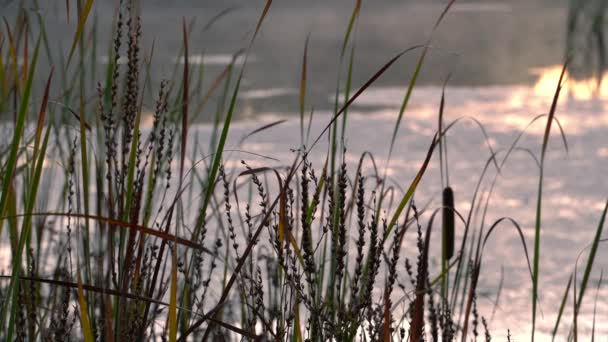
{"x": 448, "y": 221}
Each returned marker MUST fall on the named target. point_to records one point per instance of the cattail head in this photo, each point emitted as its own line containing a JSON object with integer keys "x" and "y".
{"x": 448, "y": 221}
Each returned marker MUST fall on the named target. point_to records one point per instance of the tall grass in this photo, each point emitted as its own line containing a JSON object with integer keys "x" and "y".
{"x": 146, "y": 233}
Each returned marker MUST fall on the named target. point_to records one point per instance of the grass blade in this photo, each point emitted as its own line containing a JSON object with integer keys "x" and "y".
{"x": 42, "y": 115}
{"x": 84, "y": 312}
{"x": 185, "y": 94}
{"x": 414, "y": 79}
{"x": 123, "y": 224}
{"x": 591, "y": 259}
{"x": 412, "y": 188}
{"x": 12, "y": 54}
{"x": 351, "y": 24}
{"x": 260, "y": 129}
{"x": 597, "y": 292}
{"x": 561, "y": 308}
{"x": 261, "y": 20}
{"x": 13, "y": 290}
{"x": 80, "y": 28}
{"x": 214, "y": 85}
{"x": 303, "y": 88}
{"x": 18, "y": 132}
{"x": 173, "y": 298}
{"x": 366, "y": 85}
{"x": 537, "y": 230}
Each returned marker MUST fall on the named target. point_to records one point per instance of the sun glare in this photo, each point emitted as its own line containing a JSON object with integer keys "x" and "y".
{"x": 578, "y": 89}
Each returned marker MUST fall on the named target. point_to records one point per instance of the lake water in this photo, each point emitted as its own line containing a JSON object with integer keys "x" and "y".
{"x": 504, "y": 58}
{"x": 479, "y": 43}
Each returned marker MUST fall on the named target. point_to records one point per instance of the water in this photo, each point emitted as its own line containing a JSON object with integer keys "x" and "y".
{"x": 479, "y": 43}
{"x": 504, "y": 62}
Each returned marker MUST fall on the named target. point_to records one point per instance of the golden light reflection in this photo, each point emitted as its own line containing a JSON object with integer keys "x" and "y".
{"x": 584, "y": 99}
{"x": 602, "y": 152}
{"x": 583, "y": 89}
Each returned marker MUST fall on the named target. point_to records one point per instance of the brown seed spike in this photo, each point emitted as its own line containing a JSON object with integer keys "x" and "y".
{"x": 448, "y": 221}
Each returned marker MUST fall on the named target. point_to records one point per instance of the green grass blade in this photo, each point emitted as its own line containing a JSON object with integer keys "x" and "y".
{"x": 597, "y": 292}
{"x": 349, "y": 29}
{"x": 80, "y": 28}
{"x": 13, "y": 290}
{"x": 348, "y": 85}
{"x": 561, "y": 308}
{"x": 17, "y": 135}
{"x": 411, "y": 189}
{"x": 537, "y": 229}
{"x": 173, "y": 298}
{"x": 591, "y": 259}
{"x": 42, "y": 115}
{"x": 303, "y": 79}
{"x": 414, "y": 79}
{"x": 85, "y": 322}
{"x": 185, "y": 96}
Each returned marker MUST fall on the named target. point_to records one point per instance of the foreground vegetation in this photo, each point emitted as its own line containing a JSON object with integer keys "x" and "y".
{"x": 106, "y": 243}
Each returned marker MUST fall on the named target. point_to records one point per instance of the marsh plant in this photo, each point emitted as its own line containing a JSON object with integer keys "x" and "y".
{"x": 115, "y": 232}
